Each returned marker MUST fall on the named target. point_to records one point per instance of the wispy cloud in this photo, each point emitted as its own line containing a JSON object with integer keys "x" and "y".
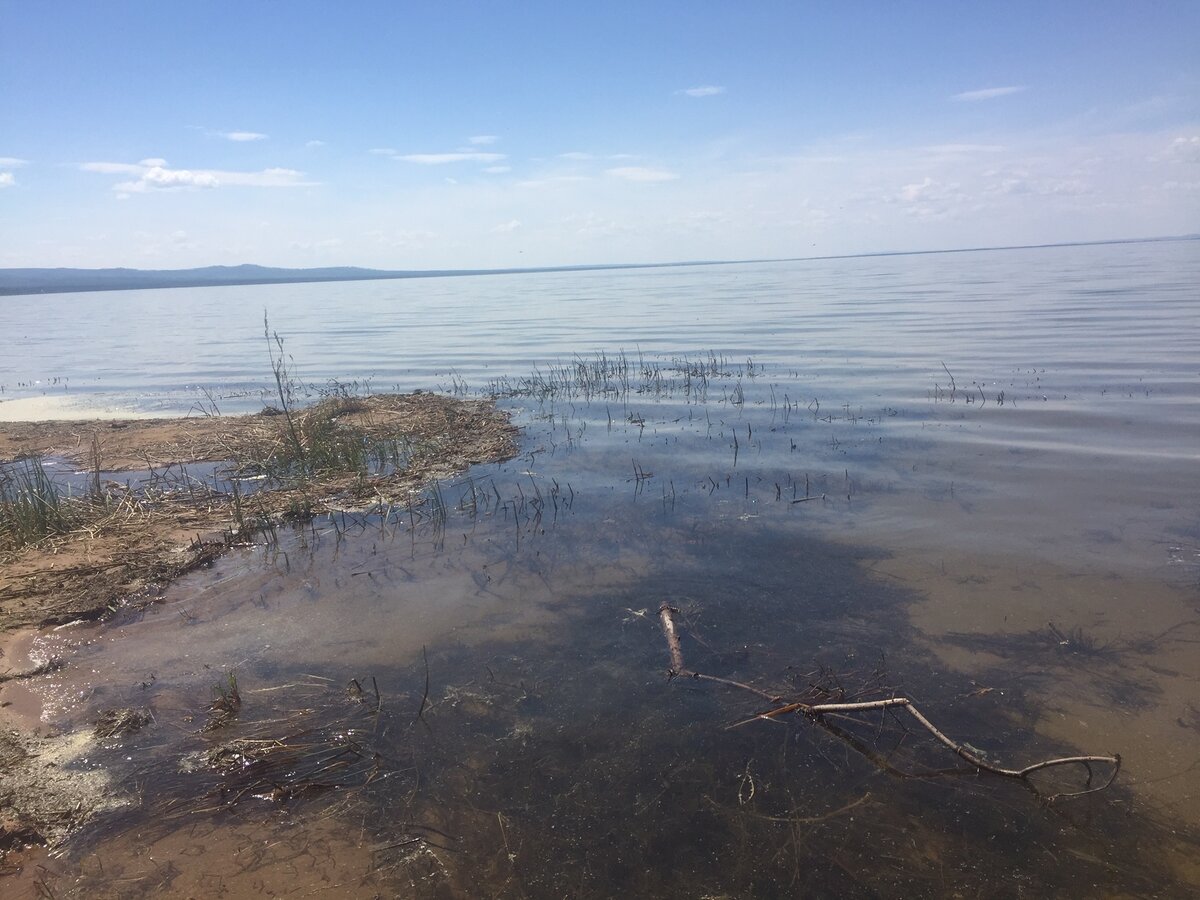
{"x": 154, "y": 175}
{"x": 441, "y": 159}
{"x": 1184, "y": 149}
{"x": 641, "y": 173}
{"x": 498, "y": 170}
{"x": 591, "y": 225}
{"x": 704, "y": 90}
{"x": 242, "y": 136}
{"x": 318, "y": 246}
{"x": 931, "y": 200}
{"x": 482, "y": 140}
{"x": 988, "y": 93}
{"x": 552, "y": 181}
{"x": 8, "y": 179}
{"x": 112, "y": 168}
{"x": 507, "y": 227}
{"x": 382, "y": 151}
{"x": 576, "y": 155}
{"x": 914, "y": 192}
{"x": 314, "y": 144}
{"x": 963, "y": 149}
{"x": 401, "y": 238}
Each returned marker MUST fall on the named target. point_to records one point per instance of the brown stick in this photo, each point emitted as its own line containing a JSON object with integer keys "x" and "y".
{"x": 666, "y": 614}
{"x": 668, "y": 626}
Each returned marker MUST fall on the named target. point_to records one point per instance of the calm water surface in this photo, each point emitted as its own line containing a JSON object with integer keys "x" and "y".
{"x": 996, "y": 455}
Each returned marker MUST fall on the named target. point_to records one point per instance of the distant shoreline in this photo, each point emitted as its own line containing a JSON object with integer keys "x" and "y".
{"x": 31, "y": 281}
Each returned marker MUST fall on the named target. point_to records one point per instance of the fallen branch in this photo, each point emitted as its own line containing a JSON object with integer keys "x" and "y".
{"x": 816, "y": 712}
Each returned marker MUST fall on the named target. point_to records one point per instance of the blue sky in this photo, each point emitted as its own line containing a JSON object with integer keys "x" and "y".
{"x": 472, "y": 135}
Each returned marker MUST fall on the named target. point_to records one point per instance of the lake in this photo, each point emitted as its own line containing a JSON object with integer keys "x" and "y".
{"x": 968, "y": 478}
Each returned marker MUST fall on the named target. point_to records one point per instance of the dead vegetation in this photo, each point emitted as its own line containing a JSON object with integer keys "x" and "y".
{"x": 111, "y": 542}
{"x": 819, "y": 703}
{"x": 120, "y": 722}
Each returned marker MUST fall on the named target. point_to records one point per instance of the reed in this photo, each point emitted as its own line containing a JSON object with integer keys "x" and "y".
{"x": 32, "y": 505}
{"x": 616, "y": 377}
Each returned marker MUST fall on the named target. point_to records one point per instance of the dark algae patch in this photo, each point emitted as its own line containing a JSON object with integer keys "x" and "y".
{"x": 551, "y": 754}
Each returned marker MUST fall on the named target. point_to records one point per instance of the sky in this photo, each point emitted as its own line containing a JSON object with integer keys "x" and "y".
{"x": 408, "y": 135}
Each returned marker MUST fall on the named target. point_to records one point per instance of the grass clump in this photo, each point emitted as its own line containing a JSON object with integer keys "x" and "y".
{"x": 315, "y": 441}
{"x": 32, "y": 505}
{"x": 325, "y": 444}
{"x": 226, "y": 704}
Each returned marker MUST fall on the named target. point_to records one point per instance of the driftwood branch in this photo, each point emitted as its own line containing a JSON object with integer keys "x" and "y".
{"x": 816, "y": 712}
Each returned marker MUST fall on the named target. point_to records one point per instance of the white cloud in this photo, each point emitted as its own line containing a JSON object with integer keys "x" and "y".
{"x": 314, "y": 144}
{"x": 576, "y": 155}
{"x": 914, "y": 192}
{"x": 7, "y": 179}
{"x": 498, "y": 170}
{"x": 153, "y": 161}
{"x": 382, "y": 151}
{"x": 149, "y": 176}
{"x": 641, "y": 173}
{"x": 441, "y": 159}
{"x": 480, "y": 140}
{"x": 242, "y": 136}
{"x": 988, "y": 93}
{"x": 158, "y": 177}
{"x": 11, "y": 162}
{"x": 706, "y": 90}
{"x": 507, "y": 227}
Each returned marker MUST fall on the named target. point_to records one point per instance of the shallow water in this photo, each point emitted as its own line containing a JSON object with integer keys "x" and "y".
{"x": 1025, "y": 570}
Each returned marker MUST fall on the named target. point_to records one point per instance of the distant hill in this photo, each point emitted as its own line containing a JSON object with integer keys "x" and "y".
{"x": 59, "y": 281}
{"x": 47, "y": 281}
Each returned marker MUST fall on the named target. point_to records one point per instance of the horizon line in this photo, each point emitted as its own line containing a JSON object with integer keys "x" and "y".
{"x": 373, "y": 274}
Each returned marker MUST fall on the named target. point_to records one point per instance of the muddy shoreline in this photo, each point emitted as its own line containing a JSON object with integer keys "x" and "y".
{"x": 145, "y": 519}
{"x": 148, "y": 533}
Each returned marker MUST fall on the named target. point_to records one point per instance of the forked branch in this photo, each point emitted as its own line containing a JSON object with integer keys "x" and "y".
{"x": 816, "y": 712}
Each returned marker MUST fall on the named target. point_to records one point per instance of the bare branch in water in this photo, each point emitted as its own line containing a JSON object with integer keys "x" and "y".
{"x": 817, "y": 712}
